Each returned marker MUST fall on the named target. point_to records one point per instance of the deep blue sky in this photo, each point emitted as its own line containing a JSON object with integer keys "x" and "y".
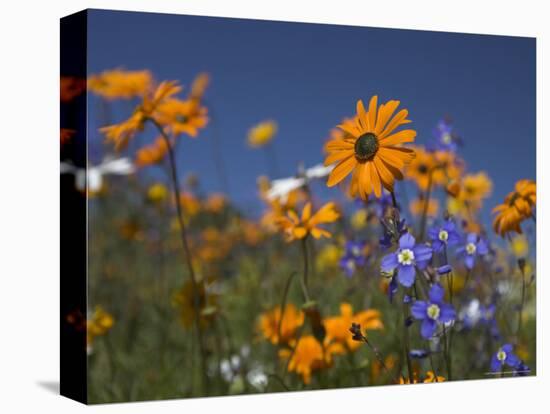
{"x": 308, "y": 77}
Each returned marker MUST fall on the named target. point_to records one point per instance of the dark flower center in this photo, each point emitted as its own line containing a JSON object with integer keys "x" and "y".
{"x": 366, "y": 146}
{"x": 423, "y": 169}
{"x": 182, "y": 119}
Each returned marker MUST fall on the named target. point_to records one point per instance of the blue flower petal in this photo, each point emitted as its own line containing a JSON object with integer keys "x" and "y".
{"x": 437, "y": 245}
{"x": 406, "y": 275}
{"x": 469, "y": 261}
{"x": 406, "y": 241}
{"x": 427, "y": 328}
{"x": 389, "y": 262}
{"x": 419, "y": 309}
{"x": 512, "y": 360}
{"x": 508, "y": 348}
{"x": 496, "y": 365}
{"x": 422, "y": 253}
{"x": 482, "y": 248}
{"x": 446, "y": 313}
{"x": 436, "y": 294}
{"x": 471, "y": 238}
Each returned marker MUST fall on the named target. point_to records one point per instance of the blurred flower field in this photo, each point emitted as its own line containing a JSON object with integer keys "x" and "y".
{"x": 383, "y": 283}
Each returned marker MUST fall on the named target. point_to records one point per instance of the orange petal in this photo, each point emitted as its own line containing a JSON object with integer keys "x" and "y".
{"x": 375, "y": 179}
{"x": 384, "y": 114}
{"x": 372, "y": 112}
{"x": 339, "y": 145}
{"x": 336, "y": 156}
{"x": 362, "y": 116}
{"x": 385, "y": 174}
{"x": 401, "y": 137}
{"x": 341, "y": 171}
{"x": 394, "y": 123}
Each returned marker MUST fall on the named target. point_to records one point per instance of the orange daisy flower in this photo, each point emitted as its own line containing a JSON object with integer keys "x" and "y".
{"x": 337, "y": 133}
{"x": 182, "y": 117}
{"x": 269, "y": 322}
{"x": 421, "y": 168}
{"x": 120, "y": 134}
{"x": 296, "y": 227}
{"x": 337, "y": 327}
{"x": 261, "y": 134}
{"x": 440, "y": 167}
{"x": 308, "y": 356}
{"x": 518, "y": 206}
{"x": 372, "y": 152}
{"x": 119, "y": 83}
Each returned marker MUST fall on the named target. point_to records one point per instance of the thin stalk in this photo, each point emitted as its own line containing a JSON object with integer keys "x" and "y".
{"x": 522, "y": 304}
{"x": 378, "y": 356}
{"x": 432, "y": 363}
{"x": 304, "y": 280}
{"x": 447, "y": 355}
{"x": 393, "y": 200}
{"x": 283, "y": 304}
{"x": 406, "y": 341}
{"x": 426, "y": 205}
{"x": 188, "y": 257}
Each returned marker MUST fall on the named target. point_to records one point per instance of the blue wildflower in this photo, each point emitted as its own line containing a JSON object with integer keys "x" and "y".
{"x": 445, "y": 137}
{"x": 504, "y": 357}
{"x": 432, "y": 311}
{"x": 443, "y": 236}
{"x": 354, "y": 257}
{"x": 406, "y": 259}
{"x": 474, "y": 246}
{"x": 488, "y": 314}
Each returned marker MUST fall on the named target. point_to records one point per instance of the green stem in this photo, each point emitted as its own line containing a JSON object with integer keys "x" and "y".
{"x": 188, "y": 257}
{"x": 406, "y": 341}
{"x": 283, "y": 305}
{"x": 447, "y": 355}
{"x": 426, "y": 205}
{"x": 522, "y": 304}
{"x": 304, "y": 280}
{"x": 379, "y": 358}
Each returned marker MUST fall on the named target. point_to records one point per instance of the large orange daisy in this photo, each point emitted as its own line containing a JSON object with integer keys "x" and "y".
{"x": 371, "y": 151}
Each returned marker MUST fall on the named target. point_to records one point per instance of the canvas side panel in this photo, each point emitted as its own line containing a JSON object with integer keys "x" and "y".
{"x": 73, "y": 231}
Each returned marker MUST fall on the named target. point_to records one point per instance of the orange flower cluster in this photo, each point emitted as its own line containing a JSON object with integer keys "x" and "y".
{"x": 337, "y": 327}
{"x": 517, "y": 207}
{"x": 172, "y": 115}
{"x": 307, "y": 354}
{"x": 437, "y": 168}
{"x": 277, "y": 331}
